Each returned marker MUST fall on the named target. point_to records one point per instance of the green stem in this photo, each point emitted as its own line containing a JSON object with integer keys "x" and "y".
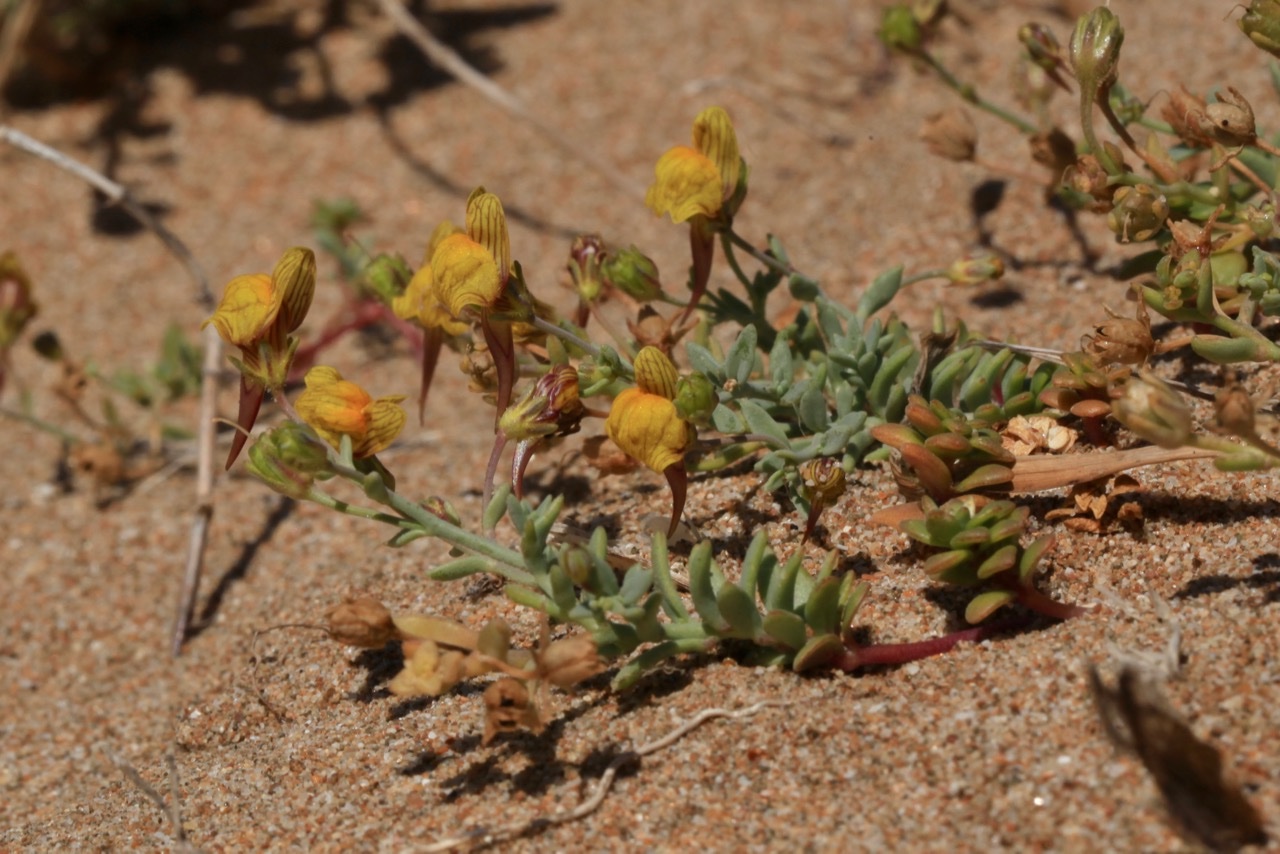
{"x": 726, "y": 242}
{"x": 927, "y": 274}
{"x": 326, "y": 500}
{"x": 40, "y": 425}
{"x": 970, "y": 94}
{"x": 1091, "y": 139}
{"x": 763, "y": 257}
{"x": 565, "y": 335}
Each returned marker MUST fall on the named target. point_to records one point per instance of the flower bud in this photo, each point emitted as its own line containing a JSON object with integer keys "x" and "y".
{"x": 1041, "y": 45}
{"x": 655, "y": 373}
{"x": 295, "y": 278}
{"x": 1261, "y": 23}
{"x": 551, "y": 408}
{"x": 1095, "y": 50}
{"x": 1121, "y": 340}
{"x": 289, "y": 459}
{"x": 900, "y": 30}
{"x": 17, "y": 308}
{"x": 1154, "y": 411}
{"x": 361, "y": 621}
{"x": 633, "y": 273}
{"x": 386, "y": 276}
{"x": 1137, "y": 213}
{"x": 950, "y": 134}
{"x": 824, "y": 480}
{"x": 695, "y": 399}
{"x": 986, "y": 267}
{"x": 585, "y": 257}
{"x": 1261, "y": 219}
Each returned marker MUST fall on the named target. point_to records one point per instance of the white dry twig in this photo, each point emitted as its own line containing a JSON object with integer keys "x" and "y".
{"x": 485, "y": 836}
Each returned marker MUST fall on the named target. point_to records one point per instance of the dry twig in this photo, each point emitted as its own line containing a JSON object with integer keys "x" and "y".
{"x": 484, "y": 836}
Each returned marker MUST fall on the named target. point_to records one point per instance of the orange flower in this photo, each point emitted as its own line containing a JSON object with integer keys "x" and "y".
{"x": 334, "y": 408}
{"x": 258, "y": 314}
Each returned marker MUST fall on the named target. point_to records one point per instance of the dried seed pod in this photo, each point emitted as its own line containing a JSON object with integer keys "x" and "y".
{"x": 508, "y": 707}
{"x": 361, "y": 621}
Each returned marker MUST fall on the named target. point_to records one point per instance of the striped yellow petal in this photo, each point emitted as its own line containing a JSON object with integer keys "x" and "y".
{"x": 714, "y": 137}
{"x": 646, "y": 427}
{"x": 686, "y": 183}
{"x": 247, "y": 309}
{"x": 465, "y": 274}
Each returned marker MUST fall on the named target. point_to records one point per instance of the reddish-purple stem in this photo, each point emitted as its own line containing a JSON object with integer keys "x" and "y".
{"x": 875, "y": 654}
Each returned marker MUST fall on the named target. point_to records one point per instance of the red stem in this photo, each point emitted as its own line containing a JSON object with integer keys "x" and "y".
{"x": 901, "y": 653}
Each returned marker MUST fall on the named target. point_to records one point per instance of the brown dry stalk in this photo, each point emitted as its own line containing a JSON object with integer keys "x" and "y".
{"x": 487, "y": 836}
{"x": 1038, "y": 473}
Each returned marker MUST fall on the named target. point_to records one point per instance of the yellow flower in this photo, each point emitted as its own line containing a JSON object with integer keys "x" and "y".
{"x": 334, "y": 408}
{"x": 419, "y": 303}
{"x": 471, "y": 269}
{"x": 698, "y": 181}
{"x": 644, "y": 423}
{"x": 257, "y": 314}
{"x": 646, "y": 427}
{"x": 258, "y": 308}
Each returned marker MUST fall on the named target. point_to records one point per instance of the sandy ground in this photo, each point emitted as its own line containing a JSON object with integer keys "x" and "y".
{"x": 291, "y": 744}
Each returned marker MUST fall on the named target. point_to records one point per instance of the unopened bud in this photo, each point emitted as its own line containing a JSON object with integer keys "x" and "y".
{"x": 585, "y": 257}
{"x": 1138, "y": 213}
{"x": 568, "y": 661}
{"x": 551, "y": 408}
{"x": 295, "y": 275}
{"x": 1041, "y": 45}
{"x": 1154, "y": 411}
{"x": 900, "y": 30}
{"x": 386, "y": 276}
{"x": 1233, "y": 409}
{"x": 696, "y": 399}
{"x": 633, "y": 273}
{"x": 1261, "y": 23}
{"x": 17, "y": 308}
{"x": 986, "y": 267}
{"x": 289, "y": 459}
{"x": 1095, "y": 50}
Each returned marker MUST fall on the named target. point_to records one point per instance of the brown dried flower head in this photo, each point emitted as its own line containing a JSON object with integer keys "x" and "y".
{"x": 508, "y": 706}
{"x": 951, "y": 134}
{"x": 568, "y": 661}
{"x": 1230, "y": 119}
{"x": 1121, "y": 340}
{"x": 1185, "y": 113}
{"x": 361, "y": 621}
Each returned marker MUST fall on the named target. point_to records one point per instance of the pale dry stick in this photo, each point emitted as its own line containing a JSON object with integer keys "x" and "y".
{"x": 172, "y": 811}
{"x": 591, "y": 804}
{"x": 445, "y": 57}
{"x": 209, "y": 370}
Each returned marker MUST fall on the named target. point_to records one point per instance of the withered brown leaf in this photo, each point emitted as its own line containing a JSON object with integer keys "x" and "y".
{"x": 1202, "y": 801}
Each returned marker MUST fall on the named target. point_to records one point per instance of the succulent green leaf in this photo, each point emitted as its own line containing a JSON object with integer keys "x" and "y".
{"x": 822, "y": 611}
{"x": 460, "y": 568}
{"x": 985, "y": 604}
{"x": 1032, "y": 555}
{"x": 786, "y": 627}
{"x": 738, "y": 608}
{"x": 820, "y": 651}
{"x": 1001, "y": 560}
{"x": 759, "y": 421}
{"x": 636, "y": 583}
{"x": 700, "y": 586}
